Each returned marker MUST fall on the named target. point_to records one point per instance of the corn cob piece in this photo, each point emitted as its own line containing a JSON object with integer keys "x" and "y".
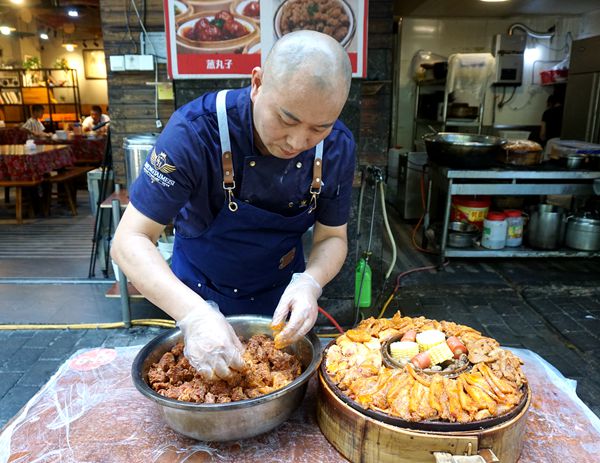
{"x": 440, "y": 353}
{"x": 403, "y": 350}
{"x": 428, "y": 339}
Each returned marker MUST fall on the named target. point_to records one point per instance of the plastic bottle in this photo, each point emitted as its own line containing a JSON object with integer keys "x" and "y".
{"x": 494, "y": 231}
{"x": 30, "y": 145}
{"x": 362, "y": 297}
{"x": 514, "y": 231}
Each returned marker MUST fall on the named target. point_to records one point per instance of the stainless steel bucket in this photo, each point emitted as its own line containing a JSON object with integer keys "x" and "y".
{"x": 137, "y": 148}
{"x": 546, "y": 226}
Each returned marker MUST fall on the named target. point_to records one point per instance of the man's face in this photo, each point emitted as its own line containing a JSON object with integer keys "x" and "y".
{"x": 95, "y": 116}
{"x": 294, "y": 119}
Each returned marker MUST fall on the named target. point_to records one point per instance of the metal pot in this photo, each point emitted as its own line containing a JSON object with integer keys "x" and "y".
{"x": 463, "y": 111}
{"x": 574, "y": 161}
{"x": 583, "y": 232}
{"x": 546, "y": 226}
{"x": 233, "y": 420}
{"x": 461, "y": 234}
{"x": 463, "y": 149}
{"x": 137, "y": 148}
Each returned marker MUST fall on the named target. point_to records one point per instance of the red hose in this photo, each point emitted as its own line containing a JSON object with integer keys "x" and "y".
{"x": 332, "y": 320}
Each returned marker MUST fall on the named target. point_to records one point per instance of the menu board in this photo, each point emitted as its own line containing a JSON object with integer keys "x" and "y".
{"x": 228, "y": 38}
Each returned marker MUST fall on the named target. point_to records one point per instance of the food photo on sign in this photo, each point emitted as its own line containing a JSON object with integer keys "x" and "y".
{"x": 227, "y": 38}
{"x": 212, "y": 38}
{"x": 343, "y": 20}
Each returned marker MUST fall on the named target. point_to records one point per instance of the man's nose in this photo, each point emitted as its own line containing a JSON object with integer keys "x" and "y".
{"x": 298, "y": 140}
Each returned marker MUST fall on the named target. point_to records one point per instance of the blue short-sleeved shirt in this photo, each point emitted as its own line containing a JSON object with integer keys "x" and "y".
{"x": 182, "y": 178}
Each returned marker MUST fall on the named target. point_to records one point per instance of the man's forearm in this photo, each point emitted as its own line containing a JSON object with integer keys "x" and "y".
{"x": 141, "y": 261}
{"x": 326, "y": 259}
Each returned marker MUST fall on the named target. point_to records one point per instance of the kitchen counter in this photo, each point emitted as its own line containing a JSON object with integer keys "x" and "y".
{"x": 90, "y": 411}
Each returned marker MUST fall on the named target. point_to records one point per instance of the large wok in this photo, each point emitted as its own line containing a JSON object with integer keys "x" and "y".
{"x": 463, "y": 150}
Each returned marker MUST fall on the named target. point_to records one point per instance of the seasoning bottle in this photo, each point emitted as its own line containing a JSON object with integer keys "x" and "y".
{"x": 514, "y": 231}
{"x": 494, "y": 231}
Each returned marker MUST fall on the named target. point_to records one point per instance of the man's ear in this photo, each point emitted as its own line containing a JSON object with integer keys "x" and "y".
{"x": 256, "y": 82}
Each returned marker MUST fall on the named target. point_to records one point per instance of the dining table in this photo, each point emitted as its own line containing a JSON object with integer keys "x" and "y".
{"x": 21, "y": 162}
{"x": 87, "y": 149}
{"x": 27, "y": 167}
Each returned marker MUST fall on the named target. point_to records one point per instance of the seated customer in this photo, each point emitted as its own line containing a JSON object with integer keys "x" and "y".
{"x": 96, "y": 117}
{"x": 33, "y": 124}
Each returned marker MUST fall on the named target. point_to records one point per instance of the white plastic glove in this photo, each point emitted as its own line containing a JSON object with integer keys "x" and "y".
{"x": 300, "y": 301}
{"x": 211, "y": 345}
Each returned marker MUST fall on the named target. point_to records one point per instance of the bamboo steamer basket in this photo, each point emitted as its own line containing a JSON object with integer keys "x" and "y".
{"x": 362, "y": 439}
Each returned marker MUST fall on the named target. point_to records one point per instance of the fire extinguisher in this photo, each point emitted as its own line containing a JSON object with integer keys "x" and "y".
{"x": 362, "y": 283}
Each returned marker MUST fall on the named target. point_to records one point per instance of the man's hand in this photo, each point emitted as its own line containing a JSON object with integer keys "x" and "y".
{"x": 300, "y": 301}
{"x": 211, "y": 345}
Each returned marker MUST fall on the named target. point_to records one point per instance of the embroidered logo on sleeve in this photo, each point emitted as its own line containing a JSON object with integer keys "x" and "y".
{"x": 158, "y": 167}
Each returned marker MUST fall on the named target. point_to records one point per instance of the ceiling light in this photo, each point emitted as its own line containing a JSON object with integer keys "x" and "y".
{"x": 69, "y": 46}
{"x": 84, "y": 44}
{"x": 96, "y": 44}
{"x": 73, "y": 13}
{"x": 6, "y": 30}
{"x": 493, "y": 1}
{"x": 17, "y": 2}
{"x": 44, "y": 36}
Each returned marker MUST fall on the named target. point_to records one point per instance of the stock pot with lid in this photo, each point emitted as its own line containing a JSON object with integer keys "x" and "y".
{"x": 583, "y": 232}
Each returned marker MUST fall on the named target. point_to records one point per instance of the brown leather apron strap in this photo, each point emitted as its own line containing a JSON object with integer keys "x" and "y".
{"x": 317, "y": 180}
{"x": 226, "y": 157}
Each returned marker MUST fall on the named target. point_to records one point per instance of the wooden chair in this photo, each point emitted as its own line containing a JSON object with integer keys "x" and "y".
{"x": 66, "y": 179}
{"x": 18, "y": 185}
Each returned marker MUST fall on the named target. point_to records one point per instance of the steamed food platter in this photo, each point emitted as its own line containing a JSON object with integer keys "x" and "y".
{"x": 425, "y": 374}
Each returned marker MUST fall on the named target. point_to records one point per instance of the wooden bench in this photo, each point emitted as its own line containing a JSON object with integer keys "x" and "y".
{"x": 68, "y": 179}
{"x": 18, "y": 185}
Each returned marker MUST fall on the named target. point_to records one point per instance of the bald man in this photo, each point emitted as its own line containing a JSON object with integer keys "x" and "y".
{"x": 244, "y": 174}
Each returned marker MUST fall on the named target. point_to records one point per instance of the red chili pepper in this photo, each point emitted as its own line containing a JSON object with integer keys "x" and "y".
{"x": 456, "y": 346}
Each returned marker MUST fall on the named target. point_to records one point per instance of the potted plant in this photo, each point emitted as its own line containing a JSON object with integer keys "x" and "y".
{"x": 60, "y": 63}
{"x": 30, "y": 64}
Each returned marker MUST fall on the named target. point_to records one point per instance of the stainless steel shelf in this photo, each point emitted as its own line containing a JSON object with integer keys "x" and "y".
{"x": 520, "y": 251}
{"x": 462, "y": 122}
{"x": 508, "y": 182}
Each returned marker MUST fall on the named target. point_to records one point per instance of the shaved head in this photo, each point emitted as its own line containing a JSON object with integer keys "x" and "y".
{"x": 315, "y": 58}
{"x": 299, "y": 94}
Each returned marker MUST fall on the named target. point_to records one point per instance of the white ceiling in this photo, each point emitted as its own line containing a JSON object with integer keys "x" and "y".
{"x": 477, "y": 8}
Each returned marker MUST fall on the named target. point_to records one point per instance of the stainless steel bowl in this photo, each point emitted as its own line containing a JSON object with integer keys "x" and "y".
{"x": 234, "y": 420}
{"x": 574, "y": 161}
{"x": 463, "y": 227}
{"x": 461, "y": 234}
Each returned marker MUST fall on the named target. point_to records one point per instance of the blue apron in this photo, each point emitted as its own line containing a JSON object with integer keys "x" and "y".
{"x": 246, "y": 257}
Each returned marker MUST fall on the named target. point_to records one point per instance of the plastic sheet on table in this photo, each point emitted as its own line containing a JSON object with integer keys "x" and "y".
{"x": 89, "y": 411}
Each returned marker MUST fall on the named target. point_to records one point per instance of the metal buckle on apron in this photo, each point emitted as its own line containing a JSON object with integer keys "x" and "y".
{"x": 315, "y": 186}
{"x": 313, "y": 199}
{"x": 232, "y": 205}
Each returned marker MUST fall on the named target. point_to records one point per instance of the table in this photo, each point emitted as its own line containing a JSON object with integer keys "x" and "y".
{"x": 85, "y": 149}
{"x": 91, "y": 411}
{"x": 19, "y": 163}
{"x": 506, "y": 182}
